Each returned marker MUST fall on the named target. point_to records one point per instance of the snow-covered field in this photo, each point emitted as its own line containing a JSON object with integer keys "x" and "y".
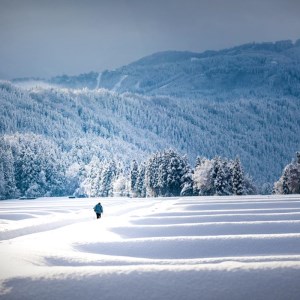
{"x": 171, "y": 248}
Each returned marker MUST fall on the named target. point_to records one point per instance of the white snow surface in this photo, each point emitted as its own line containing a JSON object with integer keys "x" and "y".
{"x": 172, "y": 248}
{"x": 31, "y": 84}
{"x": 119, "y": 83}
{"x": 98, "y": 80}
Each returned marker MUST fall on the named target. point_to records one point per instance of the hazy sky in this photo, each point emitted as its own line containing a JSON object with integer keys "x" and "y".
{"x": 52, "y": 37}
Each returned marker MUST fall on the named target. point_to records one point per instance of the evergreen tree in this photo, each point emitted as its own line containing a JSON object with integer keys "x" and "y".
{"x": 140, "y": 182}
{"x": 38, "y": 166}
{"x": 162, "y": 175}
{"x": 227, "y": 189}
{"x": 285, "y": 188}
{"x": 220, "y": 182}
{"x": 177, "y": 169}
{"x": 289, "y": 182}
{"x": 187, "y": 185}
{"x": 106, "y": 179}
{"x": 133, "y": 176}
{"x": 24, "y": 169}
{"x": 249, "y": 188}
{"x": 151, "y": 175}
{"x": 238, "y": 186}
{"x": 8, "y": 187}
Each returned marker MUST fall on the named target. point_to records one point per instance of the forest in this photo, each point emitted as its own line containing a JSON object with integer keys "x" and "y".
{"x": 32, "y": 166}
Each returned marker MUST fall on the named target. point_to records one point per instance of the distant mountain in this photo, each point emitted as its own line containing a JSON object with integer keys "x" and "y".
{"x": 252, "y": 68}
{"x": 241, "y": 101}
{"x": 263, "y": 68}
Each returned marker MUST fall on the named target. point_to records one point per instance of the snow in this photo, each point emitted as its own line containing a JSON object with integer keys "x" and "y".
{"x": 30, "y": 84}
{"x": 98, "y": 80}
{"x": 119, "y": 83}
{"x": 242, "y": 247}
{"x": 137, "y": 85}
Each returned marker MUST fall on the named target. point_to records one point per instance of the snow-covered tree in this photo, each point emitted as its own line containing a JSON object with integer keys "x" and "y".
{"x": 220, "y": 181}
{"x": 8, "y": 188}
{"x": 238, "y": 184}
{"x": 221, "y": 177}
{"x": 289, "y": 182}
{"x": 32, "y": 166}
{"x": 106, "y": 179}
{"x": 73, "y": 177}
{"x": 133, "y": 176}
{"x": 203, "y": 184}
{"x": 121, "y": 186}
{"x": 266, "y": 188}
{"x": 164, "y": 173}
{"x": 151, "y": 175}
{"x": 187, "y": 183}
{"x": 140, "y": 182}
{"x": 90, "y": 186}
{"x": 176, "y": 170}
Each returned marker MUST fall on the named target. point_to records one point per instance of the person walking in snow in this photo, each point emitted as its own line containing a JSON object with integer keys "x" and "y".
{"x": 98, "y": 209}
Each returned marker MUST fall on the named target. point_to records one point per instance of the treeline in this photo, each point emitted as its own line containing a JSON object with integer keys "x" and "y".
{"x": 168, "y": 173}
{"x": 163, "y": 174}
{"x": 32, "y": 166}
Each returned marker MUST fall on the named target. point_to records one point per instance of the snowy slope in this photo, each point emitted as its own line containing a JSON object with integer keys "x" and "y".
{"x": 175, "y": 248}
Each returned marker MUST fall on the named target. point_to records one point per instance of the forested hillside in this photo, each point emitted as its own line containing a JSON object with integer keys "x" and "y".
{"x": 263, "y": 132}
{"x": 240, "y": 102}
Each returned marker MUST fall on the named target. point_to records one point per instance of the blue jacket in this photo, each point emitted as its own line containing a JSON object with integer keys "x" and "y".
{"x": 98, "y": 209}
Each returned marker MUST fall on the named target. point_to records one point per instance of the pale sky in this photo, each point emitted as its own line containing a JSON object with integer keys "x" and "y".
{"x": 43, "y": 38}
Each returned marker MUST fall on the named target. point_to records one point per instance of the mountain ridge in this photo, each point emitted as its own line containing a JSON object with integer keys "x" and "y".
{"x": 252, "y": 66}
